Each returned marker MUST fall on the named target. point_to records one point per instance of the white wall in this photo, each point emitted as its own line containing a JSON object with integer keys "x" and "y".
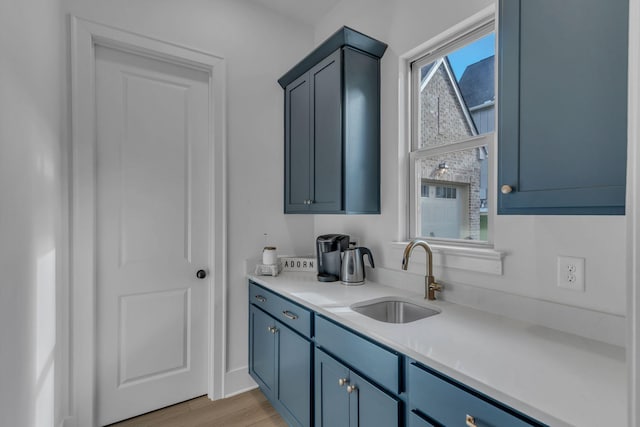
{"x": 258, "y": 46}
{"x": 532, "y": 243}
{"x": 33, "y": 349}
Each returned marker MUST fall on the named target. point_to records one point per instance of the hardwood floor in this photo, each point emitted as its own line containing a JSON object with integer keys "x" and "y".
{"x": 249, "y": 409}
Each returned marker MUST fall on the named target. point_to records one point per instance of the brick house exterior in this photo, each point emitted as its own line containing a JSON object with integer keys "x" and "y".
{"x": 446, "y": 119}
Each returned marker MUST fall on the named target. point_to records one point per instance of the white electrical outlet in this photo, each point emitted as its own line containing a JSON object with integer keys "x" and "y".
{"x": 571, "y": 273}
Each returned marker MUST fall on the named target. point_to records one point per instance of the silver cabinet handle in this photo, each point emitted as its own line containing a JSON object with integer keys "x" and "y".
{"x": 342, "y": 382}
{"x": 260, "y": 298}
{"x": 471, "y": 422}
{"x": 351, "y": 388}
{"x": 272, "y": 329}
{"x": 289, "y": 315}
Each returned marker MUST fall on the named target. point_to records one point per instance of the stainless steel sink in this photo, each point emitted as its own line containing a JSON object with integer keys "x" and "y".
{"x": 393, "y": 310}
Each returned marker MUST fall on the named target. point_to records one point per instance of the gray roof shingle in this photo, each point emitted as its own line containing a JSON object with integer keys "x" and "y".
{"x": 477, "y": 83}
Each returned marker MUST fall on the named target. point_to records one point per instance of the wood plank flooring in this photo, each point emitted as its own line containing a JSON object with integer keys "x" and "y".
{"x": 249, "y": 409}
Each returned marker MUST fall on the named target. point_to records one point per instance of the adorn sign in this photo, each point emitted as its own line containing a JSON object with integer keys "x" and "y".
{"x": 298, "y": 263}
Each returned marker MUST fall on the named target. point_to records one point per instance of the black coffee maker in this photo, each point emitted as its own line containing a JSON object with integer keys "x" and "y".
{"x": 329, "y": 248}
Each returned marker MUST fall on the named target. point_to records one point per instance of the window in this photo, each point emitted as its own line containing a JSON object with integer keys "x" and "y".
{"x": 446, "y": 192}
{"x": 452, "y": 127}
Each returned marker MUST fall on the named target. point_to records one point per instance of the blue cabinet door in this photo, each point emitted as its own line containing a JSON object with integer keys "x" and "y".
{"x": 262, "y": 350}
{"x": 326, "y": 124}
{"x": 313, "y": 139}
{"x": 562, "y": 111}
{"x": 344, "y": 398}
{"x": 370, "y": 406}
{"x": 331, "y": 398}
{"x": 297, "y": 146}
{"x": 294, "y": 374}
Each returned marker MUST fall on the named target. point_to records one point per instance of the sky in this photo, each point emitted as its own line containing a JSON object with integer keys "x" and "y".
{"x": 472, "y": 53}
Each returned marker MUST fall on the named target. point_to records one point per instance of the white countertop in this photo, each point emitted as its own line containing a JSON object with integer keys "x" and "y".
{"x": 557, "y": 378}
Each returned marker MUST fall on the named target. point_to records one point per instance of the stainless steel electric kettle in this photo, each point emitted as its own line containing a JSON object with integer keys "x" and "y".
{"x": 352, "y": 272}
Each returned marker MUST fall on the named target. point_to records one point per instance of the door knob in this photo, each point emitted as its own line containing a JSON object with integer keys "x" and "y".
{"x": 201, "y": 274}
{"x": 351, "y": 388}
{"x": 506, "y": 189}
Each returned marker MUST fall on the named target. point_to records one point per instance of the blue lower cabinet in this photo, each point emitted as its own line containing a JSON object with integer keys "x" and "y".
{"x": 343, "y": 398}
{"x": 294, "y": 374}
{"x": 280, "y": 362}
{"x": 440, "y": 400}
{"x": 377, "y": 363}
{"x": 262, "y": 350}
{"x": 331, "y": 398}
{"x": 315, "y": 371}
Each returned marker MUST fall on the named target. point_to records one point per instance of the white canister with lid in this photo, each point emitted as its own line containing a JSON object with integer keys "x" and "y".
{"x": 269, "y": 256}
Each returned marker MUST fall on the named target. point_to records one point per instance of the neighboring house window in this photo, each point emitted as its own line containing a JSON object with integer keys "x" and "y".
{"x": 452, "y": 123}
{"x": 425, "y": 190}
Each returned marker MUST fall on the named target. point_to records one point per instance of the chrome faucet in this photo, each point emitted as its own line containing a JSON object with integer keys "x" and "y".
{"x": 430, "y": 285}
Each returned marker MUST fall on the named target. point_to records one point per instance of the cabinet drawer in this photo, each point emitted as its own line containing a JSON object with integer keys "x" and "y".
{"x": 370, "y": 359}
{"x": 287, "y": 312}
{"x": 449, "y": 404}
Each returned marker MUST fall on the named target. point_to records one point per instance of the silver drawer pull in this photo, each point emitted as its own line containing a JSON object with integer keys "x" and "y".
{"x": 289, "y": 315}
{"x": 260, "y": 298}
{"x": 471, "y": 422}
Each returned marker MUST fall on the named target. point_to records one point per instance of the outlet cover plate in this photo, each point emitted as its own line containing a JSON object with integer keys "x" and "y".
{"x": 571, "y": 273}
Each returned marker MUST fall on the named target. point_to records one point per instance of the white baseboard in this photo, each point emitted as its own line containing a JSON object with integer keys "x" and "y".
{"x": 238, "y": 381}
{"x": 235, "y": 382}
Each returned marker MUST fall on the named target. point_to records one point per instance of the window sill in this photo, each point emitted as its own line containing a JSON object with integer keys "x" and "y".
{"x": 469, "y": 258}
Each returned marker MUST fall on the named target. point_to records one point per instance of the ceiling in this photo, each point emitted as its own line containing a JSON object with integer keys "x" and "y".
{"x": 307, "y": 11}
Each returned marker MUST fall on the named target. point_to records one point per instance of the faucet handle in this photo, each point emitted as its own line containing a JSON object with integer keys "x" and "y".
{"x": 435, "y": 286}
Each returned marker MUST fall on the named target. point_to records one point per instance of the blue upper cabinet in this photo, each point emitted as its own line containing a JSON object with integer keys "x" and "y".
{"x": 332, "y": 127}
{"x": 562, "y": 111}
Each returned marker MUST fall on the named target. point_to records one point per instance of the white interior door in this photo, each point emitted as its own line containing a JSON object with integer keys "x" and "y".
{"x": 152, "y": 201}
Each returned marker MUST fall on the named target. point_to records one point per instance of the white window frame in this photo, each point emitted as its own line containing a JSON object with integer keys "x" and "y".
{"x": 476, "y": 27}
